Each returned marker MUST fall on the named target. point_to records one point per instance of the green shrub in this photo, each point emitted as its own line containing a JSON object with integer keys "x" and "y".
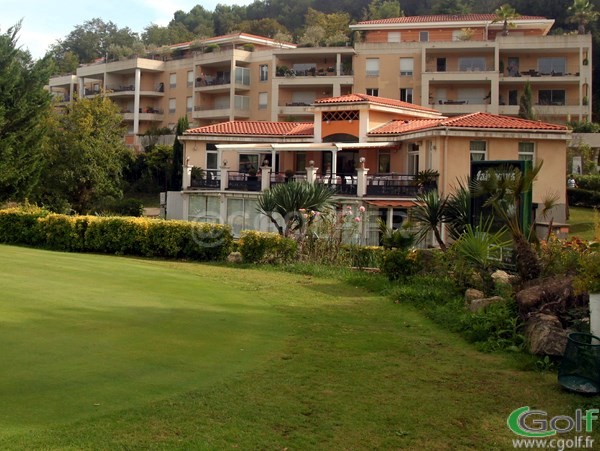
{"x": 399, "y": 263}
{"x": 18, "y": 225}
{"x": 583, "y": 197}
{"x": 116, "y": 235}
{"x": 264, "y": 247}
{"x": 207, "y": 242}
{"x": 364, "y": 256}
{"x": 59, "y": 232}
{"x": 122, "y": 207}
{"x": 589, "y": 182}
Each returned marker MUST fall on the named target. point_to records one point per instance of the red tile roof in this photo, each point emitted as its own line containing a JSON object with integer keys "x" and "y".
{"x": 256, "y": 128}
{"x": 445, "y": 18}
{"x": 362, "y": 98}
{"x": 474, "y": 120}
{"x": 487, "y": 120}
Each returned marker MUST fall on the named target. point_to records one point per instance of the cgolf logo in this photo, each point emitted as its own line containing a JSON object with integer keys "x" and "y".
{"x": 535, "y": 423}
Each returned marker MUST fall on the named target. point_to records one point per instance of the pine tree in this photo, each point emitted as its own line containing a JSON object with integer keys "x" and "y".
{"x": 526, "y": 103}
{"x": 24, "y": 106}
{"x": 177, "y": 166}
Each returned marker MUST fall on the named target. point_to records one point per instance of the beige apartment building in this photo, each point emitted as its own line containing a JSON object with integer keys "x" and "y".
{"x": 455, "y": 64}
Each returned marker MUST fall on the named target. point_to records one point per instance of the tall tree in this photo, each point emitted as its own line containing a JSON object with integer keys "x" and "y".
{"x": 526, "y": 103}
{"x": 506, "y": 14}
{"x": 85, "y": 156}
{"x": 582, "y": 13}
{"x": 93, "y": 39}
{"x": 383, "y": 9}
{"x": 198, "y": 21}
{"x": 175, "y": 33}
{"x": 452, "y": 7}
{"x": 177, "y": 158}
{"x": 24, "y": 106}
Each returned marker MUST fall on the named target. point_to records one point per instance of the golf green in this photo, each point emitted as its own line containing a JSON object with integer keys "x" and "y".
{"x": 85, "y": 335}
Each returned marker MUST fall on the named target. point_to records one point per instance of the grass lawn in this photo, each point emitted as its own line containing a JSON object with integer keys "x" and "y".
{"x": 104, "y": 352}
{"x": 581, "y": 222}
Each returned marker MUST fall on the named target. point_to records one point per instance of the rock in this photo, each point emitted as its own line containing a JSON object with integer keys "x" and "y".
{"x": 480, "y": 304}
{"x": 553, "y": 294}
{"x": 234, "y": 257}
{"x": 471, "y": 294}
{"x": 500, "y": 276}
{"x": 545, "y": 335}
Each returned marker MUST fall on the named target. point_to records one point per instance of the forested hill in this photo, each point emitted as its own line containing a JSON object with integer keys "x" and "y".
{"x": 309, "y": 22}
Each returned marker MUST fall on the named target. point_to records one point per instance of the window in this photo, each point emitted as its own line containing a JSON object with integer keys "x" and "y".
{"x": 384, "y": 162}
{"x": 413, "y": 158}
{"x": 373, "y": 92}
{"x": 526, "y": 151}
{"x": 552, "y": 65}
{"x": 424, "y": 36}
{"x": 189, "y": 104}
{"x": 478, "y": 150}
{"x": 372, "y": 67}
{"x": 263, "y": 70}
{"x": 211, "y": 160}
{"x": 551, "y": 97}
{"x": 471, "y": 64}
{"x": 204, "y": 209}
{"x": 262, "y": 100}
{"x": 190, "y": 79}
{"x": 172, "y": 106}
{"x": 173, "y": 80}
{"x": 406, "y": 66}
{"x": 300, "y": 162}
{"x": 242, "y": 215}
{"x": 394, "y": 36}
{"x": 248, "y": 161}
{"x": 440, "y": 64}
{"x": 406, "y": 95}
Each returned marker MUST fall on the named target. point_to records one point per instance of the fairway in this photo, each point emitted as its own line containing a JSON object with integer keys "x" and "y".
{"x": 104, "y": 353}
{"x": 84, "y": 335}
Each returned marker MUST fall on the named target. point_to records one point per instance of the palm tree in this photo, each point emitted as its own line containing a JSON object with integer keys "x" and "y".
{"x": 289, "y": 202}
{"x": 506, "y": 14}
{"x": 582, "y": 13}
{"x": 458, "y": 209}
{"x": 429, "y": 212}
{"x": 504, "y": 188}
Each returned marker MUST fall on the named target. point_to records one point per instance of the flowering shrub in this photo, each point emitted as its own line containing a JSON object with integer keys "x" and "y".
{"x": 325, "y": 234}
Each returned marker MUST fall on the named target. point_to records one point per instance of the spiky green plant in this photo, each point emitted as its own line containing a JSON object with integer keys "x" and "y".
{"x": 429, "y": 213}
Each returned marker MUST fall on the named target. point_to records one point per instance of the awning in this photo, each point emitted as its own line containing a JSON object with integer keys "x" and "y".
{"x": 392, "y": 203}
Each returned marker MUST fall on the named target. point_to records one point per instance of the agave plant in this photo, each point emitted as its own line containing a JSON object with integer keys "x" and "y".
{"x": 429, "y": 212}
{"x": 287, "y": 200}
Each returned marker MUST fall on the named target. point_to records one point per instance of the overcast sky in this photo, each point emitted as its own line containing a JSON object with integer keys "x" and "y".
{"x": 45, "y": 21}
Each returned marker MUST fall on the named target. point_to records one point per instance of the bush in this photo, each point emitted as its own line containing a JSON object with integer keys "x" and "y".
{"x": 122, "y": 207}
{"x": 116, "y": 235}
{"x": 583, "y": 198}
{"x": 18, "y": 225}
{"x": 399, "y": 263}
{"x": 261, "y": 247}
{"x": 364, "y": 256}
{"x": 588, "y": 182}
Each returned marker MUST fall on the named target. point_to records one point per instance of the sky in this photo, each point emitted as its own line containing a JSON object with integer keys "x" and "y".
{"x": 44, "y": 21}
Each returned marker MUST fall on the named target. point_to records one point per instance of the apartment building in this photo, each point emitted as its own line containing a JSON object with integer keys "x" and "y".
{"x": 455, "y": 64}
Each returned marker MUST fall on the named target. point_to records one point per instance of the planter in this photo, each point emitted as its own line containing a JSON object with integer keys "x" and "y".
{"x": 595, "y": 314}
{"x": 579, "y": 369}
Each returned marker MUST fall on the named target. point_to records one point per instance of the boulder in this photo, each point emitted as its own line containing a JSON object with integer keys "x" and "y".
{"x": 234, "y": 257}
{"x": 500, "y": 276}
{"x": 545, "y": 335}
{"x": 471, "y": 294}
{"x": 480, "y": 304}
{"x": 551, "y": 294}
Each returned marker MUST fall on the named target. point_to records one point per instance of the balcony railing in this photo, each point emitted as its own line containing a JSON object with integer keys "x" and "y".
{"x": 340, "y": 183}
{"x": 397, "y": 185}
{"x": 242, "y": 181}
{"x": 207, "y": 179}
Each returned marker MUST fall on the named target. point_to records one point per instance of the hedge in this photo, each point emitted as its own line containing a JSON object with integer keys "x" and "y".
{"x": 266, "y": 247}
{"x": 583, "y": 198}
{"x": 588, "y": 182}
{"x": 115, "y": 235}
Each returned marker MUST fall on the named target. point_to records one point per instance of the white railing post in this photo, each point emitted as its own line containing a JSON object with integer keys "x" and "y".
{"x": 224, "y": 176}
{"x": 265, "y": 177}
{"x": 311, "y": 172}
{"x": 361, "y": 175}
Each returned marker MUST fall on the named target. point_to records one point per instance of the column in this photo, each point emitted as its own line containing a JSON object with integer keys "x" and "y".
{"x": 265, "y": 177}
{"x": 136, "y": 102}
{"x": 224, "y": 176}
{"x": 361, "y": 184}
{"x": 311, "y": 172}
{"x": 187, "y": 175}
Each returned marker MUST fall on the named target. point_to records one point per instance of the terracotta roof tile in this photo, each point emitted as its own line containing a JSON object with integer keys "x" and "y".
{"x": 444, "y": 18}
{"x": 361, "y": 98}
{"x": 398, "y": 127}
{"x": 487, "y": 120}
{"x": 256, "y": 128}
{"x": 474, "y": 120}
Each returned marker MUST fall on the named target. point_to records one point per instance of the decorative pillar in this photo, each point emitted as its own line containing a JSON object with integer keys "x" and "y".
{"x": 224, "y": 175}
{"x": 136, "y": 102}
{"x": 361, "y": 175}
{"x": 187, "y": 175}
{"x": 265, "y": 176}
{"x": 311, "y": 172}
